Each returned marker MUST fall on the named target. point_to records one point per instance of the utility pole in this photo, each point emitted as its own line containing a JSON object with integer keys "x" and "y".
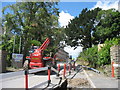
{"x": 20, "y": 45}
{"x": 20, "y": 40}
{"x": 14, "y": 44}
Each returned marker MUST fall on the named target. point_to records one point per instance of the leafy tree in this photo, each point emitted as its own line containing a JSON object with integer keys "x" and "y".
{"x": 80, "y": 29}
{"x": 108, "y": 25}
{"x": 93, "y": 27}
{"x": 33, "y": 22}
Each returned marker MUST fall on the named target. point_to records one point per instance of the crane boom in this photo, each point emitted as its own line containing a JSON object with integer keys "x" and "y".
{"x": 45, "y": 44}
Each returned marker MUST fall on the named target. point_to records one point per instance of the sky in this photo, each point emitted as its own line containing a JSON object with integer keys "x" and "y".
{"x": 69, "y": 9}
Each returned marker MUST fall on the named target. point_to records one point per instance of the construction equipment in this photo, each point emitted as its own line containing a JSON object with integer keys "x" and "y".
{"x": 36, "y": 58}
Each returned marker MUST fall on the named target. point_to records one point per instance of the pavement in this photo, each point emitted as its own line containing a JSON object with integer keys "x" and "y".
{"x": 102, "y": 81}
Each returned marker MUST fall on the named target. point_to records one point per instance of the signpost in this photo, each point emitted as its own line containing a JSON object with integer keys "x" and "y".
{"x": 17, "y": 57}
{"x": 17, "y": 60}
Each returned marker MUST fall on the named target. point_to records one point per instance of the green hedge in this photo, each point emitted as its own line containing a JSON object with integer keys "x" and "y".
{"x": 97, "y": 58}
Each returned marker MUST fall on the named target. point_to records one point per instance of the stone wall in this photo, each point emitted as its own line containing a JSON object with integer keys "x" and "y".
{"x": 115, "y": 57}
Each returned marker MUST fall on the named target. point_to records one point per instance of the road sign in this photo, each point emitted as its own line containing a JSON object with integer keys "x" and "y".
{"x": 17, "y": 57}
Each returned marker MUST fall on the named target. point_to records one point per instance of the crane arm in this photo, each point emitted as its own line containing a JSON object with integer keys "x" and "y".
{"x": 45, "y": 44}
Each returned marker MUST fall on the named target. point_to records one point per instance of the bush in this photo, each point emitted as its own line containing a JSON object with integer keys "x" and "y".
{"x": 95, "y": 58}
{"x": 104, "y": 53}
{"x": 90, "y": 55}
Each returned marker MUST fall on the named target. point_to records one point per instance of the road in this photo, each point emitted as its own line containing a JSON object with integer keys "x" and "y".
{"x": 17, "y": 79}
{"x": 19, "y": 82}
{"x": 40, "y": 80}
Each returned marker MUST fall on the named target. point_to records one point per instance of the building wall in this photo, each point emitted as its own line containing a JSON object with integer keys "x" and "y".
{"x": 3, "y": 55}
{"x": 119, "y": 6}
{"x": 62, "y": 55}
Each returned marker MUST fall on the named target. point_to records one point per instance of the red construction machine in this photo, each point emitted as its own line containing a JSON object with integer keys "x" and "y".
{"x": 36, "y": 58}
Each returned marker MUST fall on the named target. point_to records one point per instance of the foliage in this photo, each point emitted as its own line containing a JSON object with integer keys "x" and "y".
{"x": 80, "y": 29}
{"x": 8, "y": 46}
{"x": 90, "y": 55}
{"x": 97, "y": 58}
{"x": 35, "y": 43}
{"x": 33, "y": 22}
{"x": 93, "y": 27}
{"x": 104, "y": 53}
{"x": 7, "y": 43}
{"x": 108, "y": 25}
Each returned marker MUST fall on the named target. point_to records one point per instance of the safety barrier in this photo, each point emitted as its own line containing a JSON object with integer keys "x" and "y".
{"x": 58, "y": 68}
{"x": 113, "y": 67}
{"x": 38, "y": 70}
{"x": 49, "y": 80}
{"x": 34, "y": 71}
{"x": 113, "y": 70}
{"x": 64, "y": 70}
{"x": 26, "y": 79}
{"x": 48, "y": 69}
{"x": 74, "y": 66}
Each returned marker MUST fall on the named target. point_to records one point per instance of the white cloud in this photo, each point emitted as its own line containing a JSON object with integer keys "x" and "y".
{"x": 73, "y": 52}
{"x": 107, "y": 4}
{"x": 64, "y": 18}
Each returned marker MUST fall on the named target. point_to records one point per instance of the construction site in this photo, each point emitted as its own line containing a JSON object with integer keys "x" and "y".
{"x": 60, "y": 45}
{"x": 65, "y": 75}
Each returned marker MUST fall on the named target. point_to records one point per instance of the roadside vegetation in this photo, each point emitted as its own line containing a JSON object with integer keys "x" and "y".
{"x": 32, "y": 22}
{"x": 91, "y": 28}
{"x": 99, "y": 58}
{"x": 29, "y": 23}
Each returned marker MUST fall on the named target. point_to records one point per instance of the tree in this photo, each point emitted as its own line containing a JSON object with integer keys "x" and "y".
{"x": 31, "y": 21}
{"x": 80, "y": 29}
{"x": 108, "y": 25}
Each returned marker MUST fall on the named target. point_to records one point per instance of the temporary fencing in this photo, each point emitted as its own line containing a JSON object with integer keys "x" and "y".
{"x": 64, "y": 70}
{"x": 27, "y": 72}
{"x": 48, "y": 69}
{"x": 113, "y": 67}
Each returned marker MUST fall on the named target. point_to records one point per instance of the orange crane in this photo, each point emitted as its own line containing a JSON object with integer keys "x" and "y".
{"x": 36, "y": 58}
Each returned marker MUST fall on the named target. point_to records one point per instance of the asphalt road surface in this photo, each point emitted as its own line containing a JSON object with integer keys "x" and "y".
{"x": 17, "y": 79}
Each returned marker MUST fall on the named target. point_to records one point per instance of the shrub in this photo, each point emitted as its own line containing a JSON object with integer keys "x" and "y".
{"x": 95, "y": 58}
{"x": 104, "y": 53}
{"x": 90, "y": 55}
